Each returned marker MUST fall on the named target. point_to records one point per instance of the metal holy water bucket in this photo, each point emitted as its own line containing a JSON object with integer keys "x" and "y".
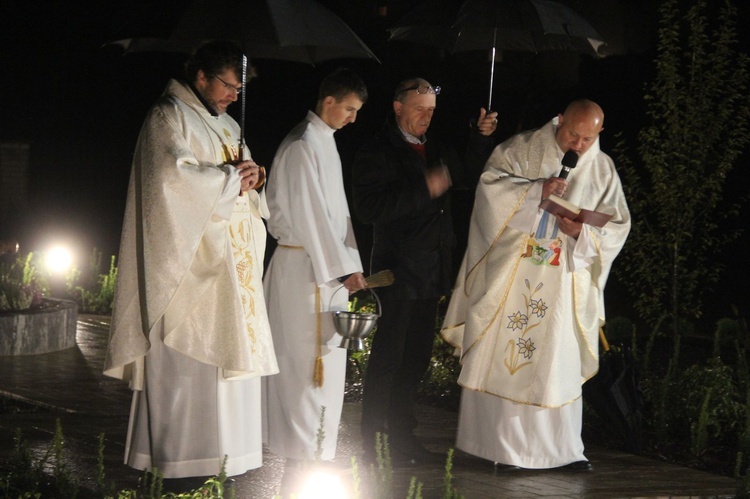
{"x": 354, "y": 327}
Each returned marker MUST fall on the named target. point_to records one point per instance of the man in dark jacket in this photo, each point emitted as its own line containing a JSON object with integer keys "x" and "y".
{"x": 401, "y": 182}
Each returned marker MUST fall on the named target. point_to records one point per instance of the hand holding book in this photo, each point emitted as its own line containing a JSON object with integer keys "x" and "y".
{"x": 558, "y": 206}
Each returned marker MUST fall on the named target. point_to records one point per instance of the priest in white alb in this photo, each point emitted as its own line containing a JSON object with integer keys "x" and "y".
{"x": 189, "y": 331}
{"x": 528, "y": 304}
{"x": 313, "y": 269}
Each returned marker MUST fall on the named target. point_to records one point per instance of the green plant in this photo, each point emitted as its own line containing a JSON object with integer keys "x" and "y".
{"x": 320, "y": 436}
{"x": 92, "y": 290}
{"x": 449, "y": 492}
{"x": 383, "y": 472}
{"x": 439, "y": 386}
{"x": 698, "y": 106}
{"x": 357, "y": 360}
{"x": 415, "y": 489}
{"x": 27, "y": 476}
{"x": 22, "y": 285}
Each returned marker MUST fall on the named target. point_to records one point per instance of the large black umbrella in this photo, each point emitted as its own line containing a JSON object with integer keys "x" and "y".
{"x": 500, "y": 25}
{"x": 614, "y": 393}
{"x": 291, "y": 30}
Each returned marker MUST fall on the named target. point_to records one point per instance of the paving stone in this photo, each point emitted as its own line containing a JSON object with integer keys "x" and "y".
{"x": 68, "y": 385}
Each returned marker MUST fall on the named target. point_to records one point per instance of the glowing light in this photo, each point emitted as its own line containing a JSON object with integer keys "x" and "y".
{"x": 320, "y": 485}
{"x": 59, "y": 260}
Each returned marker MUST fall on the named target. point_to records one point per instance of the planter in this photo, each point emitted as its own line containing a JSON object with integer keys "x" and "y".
{"x": 47, "y": 329}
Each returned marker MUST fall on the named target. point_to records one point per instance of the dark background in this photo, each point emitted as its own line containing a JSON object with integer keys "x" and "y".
{"x": 80, "y": 103}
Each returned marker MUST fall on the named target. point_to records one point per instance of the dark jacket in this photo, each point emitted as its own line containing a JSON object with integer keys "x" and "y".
{"x": 413, "y": 234}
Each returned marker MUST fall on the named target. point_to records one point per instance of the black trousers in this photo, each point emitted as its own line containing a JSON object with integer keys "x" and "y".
{"x": 400, "y": 355}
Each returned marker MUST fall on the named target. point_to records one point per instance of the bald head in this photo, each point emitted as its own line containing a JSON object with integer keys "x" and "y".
{"x": 579, "y": 126}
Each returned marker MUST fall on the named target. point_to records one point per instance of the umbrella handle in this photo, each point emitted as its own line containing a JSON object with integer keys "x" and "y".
{"x": 492, "y": 69}
{"x": 603, "y": 339}
{"x": 242, "y": 103}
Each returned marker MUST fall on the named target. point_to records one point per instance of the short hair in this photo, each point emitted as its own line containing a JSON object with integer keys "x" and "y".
{"x": 341, "y": 83}
{"x": 400, "y": 94}
{"x": 216, "y": 57}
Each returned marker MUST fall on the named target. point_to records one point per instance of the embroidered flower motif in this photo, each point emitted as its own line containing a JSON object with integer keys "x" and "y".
{"x": 538, "y": 307}
{"x": 517, "y": 321}
{"x": 525, "y": 347}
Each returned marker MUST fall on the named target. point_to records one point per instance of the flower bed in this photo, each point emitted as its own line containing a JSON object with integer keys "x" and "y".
{"x": 48, "y": 328}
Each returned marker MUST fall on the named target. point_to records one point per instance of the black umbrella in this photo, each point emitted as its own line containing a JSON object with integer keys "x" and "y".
{"x": 291, "y": 30}
{"x": 614, "y": 393}
{"x": 514, "y": 25}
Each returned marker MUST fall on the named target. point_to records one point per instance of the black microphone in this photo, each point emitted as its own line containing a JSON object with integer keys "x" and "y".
{"x": 569, "y": 161}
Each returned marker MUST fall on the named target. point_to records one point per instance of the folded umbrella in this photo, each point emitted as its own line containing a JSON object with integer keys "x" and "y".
{"x": 615, "y": 395}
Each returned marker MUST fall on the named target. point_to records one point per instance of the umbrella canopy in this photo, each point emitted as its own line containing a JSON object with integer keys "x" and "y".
{"x": 522, "y": 25}
{"x": 291, "y": 30}
{"x": 513, "y": 25}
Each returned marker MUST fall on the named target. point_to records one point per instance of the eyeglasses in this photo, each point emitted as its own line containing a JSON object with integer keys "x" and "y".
{"x": 421, "y": 89}
{"x": 238, "y": 91}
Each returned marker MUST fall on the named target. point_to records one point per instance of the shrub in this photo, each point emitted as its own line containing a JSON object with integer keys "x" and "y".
{"x": 22, "y": 285}
{"x": 91, "y": 289}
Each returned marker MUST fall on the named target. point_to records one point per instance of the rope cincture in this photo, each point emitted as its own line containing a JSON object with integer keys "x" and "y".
{"x": 318, "y": 371}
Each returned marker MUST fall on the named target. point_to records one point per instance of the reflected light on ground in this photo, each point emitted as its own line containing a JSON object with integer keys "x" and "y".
{"x": 320, "y": 485}
{"x": 58, "y": 260}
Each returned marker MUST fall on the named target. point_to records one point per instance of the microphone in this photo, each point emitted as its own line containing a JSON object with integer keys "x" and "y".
{"x": 569, "y": 161}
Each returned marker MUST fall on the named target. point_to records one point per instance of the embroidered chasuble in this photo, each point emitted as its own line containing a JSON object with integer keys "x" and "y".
{"x": 189, "y": 329}
{"x": 517, "y": 338}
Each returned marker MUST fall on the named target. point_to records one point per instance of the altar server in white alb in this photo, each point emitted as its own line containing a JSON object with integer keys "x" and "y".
{"x": 529, "y": 302}
{"x": 316, "y": 255}
{"x": 189, "y": 328}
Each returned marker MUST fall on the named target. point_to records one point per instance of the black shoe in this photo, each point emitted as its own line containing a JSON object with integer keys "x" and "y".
{"x": 506, "y": 467}
{"x": 577, "y": 466}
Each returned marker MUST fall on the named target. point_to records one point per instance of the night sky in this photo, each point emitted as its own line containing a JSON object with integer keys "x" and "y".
{"x": 80, "y": 104}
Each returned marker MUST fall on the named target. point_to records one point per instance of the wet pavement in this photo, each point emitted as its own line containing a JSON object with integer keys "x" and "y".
{"x": 68, "y": 385}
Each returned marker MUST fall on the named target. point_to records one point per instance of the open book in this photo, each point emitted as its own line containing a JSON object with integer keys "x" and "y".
{"x": 558, "y": 206}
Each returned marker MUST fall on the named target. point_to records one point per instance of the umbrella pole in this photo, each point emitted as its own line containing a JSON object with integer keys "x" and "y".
{"x": 492, "y": 70}
{"x": 242, "y": 104}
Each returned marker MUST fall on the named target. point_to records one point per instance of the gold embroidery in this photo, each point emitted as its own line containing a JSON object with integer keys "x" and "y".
{"x": 519, "y": 320}
{"x": 244, "y": 264}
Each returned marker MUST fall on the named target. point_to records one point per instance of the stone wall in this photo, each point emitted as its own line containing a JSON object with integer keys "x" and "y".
{"x": 46, "y": 330}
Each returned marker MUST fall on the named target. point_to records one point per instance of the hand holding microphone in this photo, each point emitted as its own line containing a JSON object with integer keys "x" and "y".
{"x": 558, "y": 185}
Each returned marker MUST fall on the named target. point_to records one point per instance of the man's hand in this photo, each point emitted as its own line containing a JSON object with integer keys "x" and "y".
{"x": 438, "y": 181}
{"x": 554, "y": 185}
{"x": 249, "y": 174}
{"x": 487, "y": 123}
{"x": 569, "y": 227}
{"x": 355, "y": 282}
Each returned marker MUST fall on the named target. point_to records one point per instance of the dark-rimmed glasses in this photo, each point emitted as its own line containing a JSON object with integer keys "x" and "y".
{"x": 238, "y": 91}
{"x": 421, "y": 89}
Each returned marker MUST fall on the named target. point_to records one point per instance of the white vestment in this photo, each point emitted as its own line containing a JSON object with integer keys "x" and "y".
{"x": 310, "y": 219}
{"x": 189, "y": 313}
{"x": 527, "y": 329}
